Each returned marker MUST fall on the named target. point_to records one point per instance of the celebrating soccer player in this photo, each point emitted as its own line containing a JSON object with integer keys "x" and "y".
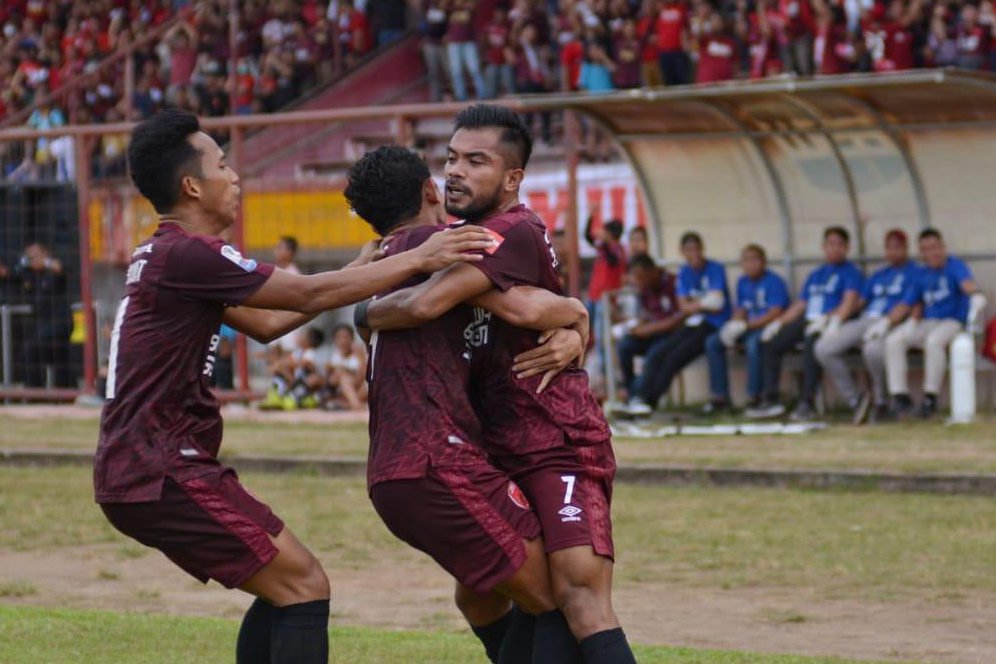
{"x": 156, "y": 472}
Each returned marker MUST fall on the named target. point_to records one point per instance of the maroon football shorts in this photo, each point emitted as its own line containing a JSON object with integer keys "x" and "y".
{"x": 570, "y": 489}
{"x": 471, "y": 519}
{"x": 210, "y": 526}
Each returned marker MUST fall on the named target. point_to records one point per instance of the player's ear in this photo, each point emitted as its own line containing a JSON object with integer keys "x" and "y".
{"x": 430, "y": 192}
{"x": 513, "y": 178}
{"x": 190, "y": 186}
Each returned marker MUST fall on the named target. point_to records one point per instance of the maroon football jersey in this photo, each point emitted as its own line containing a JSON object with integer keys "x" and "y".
{"x": 420, "y": 410}
{"x": 514, "y": 419}
{"x": 160, "y": 417}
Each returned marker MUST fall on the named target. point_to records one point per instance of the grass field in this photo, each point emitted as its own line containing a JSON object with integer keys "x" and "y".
{"x": 30, "y": 636}
{"x": 906, "y": 447}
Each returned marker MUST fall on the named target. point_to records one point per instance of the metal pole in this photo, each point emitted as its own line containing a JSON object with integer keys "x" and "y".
{"x": 571, "y": 127}
{"x": 8, "y": 356}
{"x": 233, "y": 53}
{"x": 82, "y": 146}
{"x": 608, "y": 352}
{"x": 129, "y": 82}
{"x": 238, "y": 239}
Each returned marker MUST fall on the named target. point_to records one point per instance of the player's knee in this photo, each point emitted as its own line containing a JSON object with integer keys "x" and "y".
{"x": 586, "y": 608}
{"x": 480, "y": 608}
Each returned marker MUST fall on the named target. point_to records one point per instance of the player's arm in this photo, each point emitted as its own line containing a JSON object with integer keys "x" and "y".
{"x": 411, "y": 307}
{"x": 315, "y": 293}
{"x": 533, "y": 308}
{"x": 795, "y": 310}
{"x": 760, "y": 322}
{"x": 848, "y": 305}
{"x": 650, "y": 328}
{"x": 262, "y": 325}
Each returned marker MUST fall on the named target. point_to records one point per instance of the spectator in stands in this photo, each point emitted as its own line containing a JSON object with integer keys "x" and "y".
{"x": 347, "y": 370}
{"x": 762, "y": 296}
{"x": 433, "y": 29}
{"x": 659, "y": 315}
{"x": 388, "y": 19}
{"x": 889, "y": 35}
{"x": 597, "y": 68}
{"x": 499, "y": 58}
{"x": 182, "y": 40}
{"x": 758, "y": 29}
{"x": 355, "y": 32}
{"x": 297, "y": 377}
{"x": 571, "y": 55}
{"x": 718, "y": 57}
{"x": 627, "y": 55}
{"x": 797, "y": 29}
{"x": 461, "y": 49}
{"x": 45, "y": 116}
{"x": 41, "y": 279}
{"x": 646, "y": 23}
{"x": 882, "y": 300}
{"x": 973, "y": 39}
{"x": 113, "y": 147}
{"x": 704, "y": 299}
{"x": 943, "y": 297}
{"x": 638, "y": 242}
{"x": 942, "y": 47}
{"x": 673, "y": 41}
{"x": 833, "y": 49}
{"x": 830, "y": 296}
{"x": 532, "y": 74}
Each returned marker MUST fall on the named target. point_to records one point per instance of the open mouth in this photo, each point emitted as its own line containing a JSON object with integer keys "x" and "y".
{"x": 454, "y": 190}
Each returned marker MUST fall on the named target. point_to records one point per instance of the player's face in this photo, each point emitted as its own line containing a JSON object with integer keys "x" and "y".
{"x": 478, "y": 179}
{"x": 218, "y": 184}
{"x": 932, "y": 252}
{"x": 642, "y": 278}
{"x": 692, "y": 251}
{"x": 638, "y": 243}
{"x": 835, "y": 249}
{"x": 752, "y": 264}
{"x": 895, "y": 252}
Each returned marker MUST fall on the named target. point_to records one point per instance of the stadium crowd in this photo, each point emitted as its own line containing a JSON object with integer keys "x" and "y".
{"x": 900, "y": 306}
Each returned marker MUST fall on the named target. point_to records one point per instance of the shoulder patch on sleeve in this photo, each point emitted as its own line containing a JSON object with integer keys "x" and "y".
{"x": 232, "y": 254}
{"x": 497, "y": 237}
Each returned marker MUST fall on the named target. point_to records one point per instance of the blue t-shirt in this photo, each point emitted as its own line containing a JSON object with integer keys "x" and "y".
{"x": 595, "y": 78}
{"x": 886, "y": 288}
{"x": 825, "y": 287}
{"x": 696, "y": 283}
{"x": 940, "y": 290}
{"x": 758, "y": 297}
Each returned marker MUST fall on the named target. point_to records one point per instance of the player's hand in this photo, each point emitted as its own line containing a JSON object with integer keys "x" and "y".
{"x": 454, "y": 245}
{"x": 557, "y": 350}
{"x": 877, "y": 330}
{"x": 367, "y": 254}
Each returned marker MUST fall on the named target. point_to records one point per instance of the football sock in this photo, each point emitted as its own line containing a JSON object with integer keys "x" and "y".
{"x": 492, "y": 635}
{"x": 280, "y": 385}
{"x": 299, "y": 633}
{"x": 553, "y": 642}
{"x": 253, "y": 644}
{"x": 607, "y": 647}
{"x": 518, "y": 644}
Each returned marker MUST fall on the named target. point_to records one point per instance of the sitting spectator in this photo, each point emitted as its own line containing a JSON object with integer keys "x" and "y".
{"x": 498, "y": 56}
{"x": 942, "y": 298}
{"x": 718, "y": 57}
{"x": 658, "y": 316}
{"x": 705, "y": 304}
{"x": 829, "y": 297}
{"x": 882, "y": 300}
{"x": 347, "y": 370}
{"x": 461, "y": 50}
{"x": 762, "y": 296}
{"x": 296, "y": 376}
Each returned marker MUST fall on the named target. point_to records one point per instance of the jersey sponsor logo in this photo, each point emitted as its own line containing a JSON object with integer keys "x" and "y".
{"x": 516, "y": 496}
{"x": 570, "y": 513}
{"x": 135, "y": 272}
{"x": 476, "y": 333}
{"x": 232, "y": 254}
{"x": 497, "y": 237}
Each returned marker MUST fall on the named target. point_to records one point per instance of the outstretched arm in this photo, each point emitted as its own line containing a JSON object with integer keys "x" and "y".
{"x": 262, "y": 325}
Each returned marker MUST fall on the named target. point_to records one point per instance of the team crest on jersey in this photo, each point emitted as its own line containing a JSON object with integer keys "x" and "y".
{"x": 516, "y": 496}
{"x": 232, "y": 254}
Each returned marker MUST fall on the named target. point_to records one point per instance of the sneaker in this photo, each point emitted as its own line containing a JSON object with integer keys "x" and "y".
{"x": 309, "y": 402}
{"x": 715, "y": 407}
{"x": 902, "y": 406}
{"x": 804, "y": 412}
{"x": 861, "y": 408}
{"x": 289, "y": 402}
{"x": 272, "y": 401}
{"x": 928, "y": 407}
{"x": 637, "y": 406}
{"x": 765, "y": 410}
{"x": 881, "y": 413}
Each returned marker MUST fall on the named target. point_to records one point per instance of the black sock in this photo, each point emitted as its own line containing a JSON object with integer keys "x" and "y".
{"x": 608, "y": 647}
{"x": 253, "y": 644}
{"x": 518, "y": 644}
{"x": 300, "y": 633}
{"x": 554, "y": 643}
{"x": 492, "y": 634}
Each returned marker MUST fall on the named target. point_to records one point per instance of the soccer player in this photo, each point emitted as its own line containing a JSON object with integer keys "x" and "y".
{"x": 829, "y": 297}
{"x": 943, "y": 297}
{"x": 156, "y": 472}
{"x": 429, "y": 478}
{"x": 882, "y": 300}
{"x": 554, "y": 444}
{"x": 762, "y": 296}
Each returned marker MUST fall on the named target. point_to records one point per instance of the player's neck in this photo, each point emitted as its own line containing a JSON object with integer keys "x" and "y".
{"x": 502, "y": 208}
{"x": 193, "y": 222}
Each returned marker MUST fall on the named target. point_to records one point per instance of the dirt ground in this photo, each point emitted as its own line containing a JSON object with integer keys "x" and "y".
{"x": 416, "y": 595}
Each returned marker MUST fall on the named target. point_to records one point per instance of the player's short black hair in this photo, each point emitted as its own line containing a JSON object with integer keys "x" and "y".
{"x": 642, "y": 261}
{"x": 160, "y": 155}
{"x": 315, "y": 337}
{"x": 514, "y": 132}
{"x": 755, "y": 248}
{"x": 839, "y": 231}
{"x": 928, "y": 233}
{"x": 615, "y": 228}
{"x": 343, "y": 326}
{"x": 385, "y": 186}
{"x": 691, "y": 236}
{"x": 290, "y": 242}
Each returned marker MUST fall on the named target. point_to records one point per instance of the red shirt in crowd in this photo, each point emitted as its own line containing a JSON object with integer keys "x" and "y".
{"x": 797, "y": 19}
{"x": 644, "y": 28}
{"x": 495, "y": 39}
{"x": 833, "y": 52}
{"x": 571, "y": 56}
{"x": 974, "y": 41}
{"x": 671, "y": 23}
{"x": 627, "y": 74}
{"x": 609, "y": 270}
{"x": 460, "y": 28}
{"x": 717, "y": 59}
{"x": 765, "y": 57}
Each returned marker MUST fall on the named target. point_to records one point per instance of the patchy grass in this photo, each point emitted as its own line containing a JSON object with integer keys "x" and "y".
{"x": 17, "y": 589}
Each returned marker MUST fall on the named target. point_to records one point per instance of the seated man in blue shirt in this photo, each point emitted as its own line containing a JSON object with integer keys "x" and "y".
{"x": 704, "y": 299}
{"x": 659, "y": 315}
{"x": 882, "y": 297}
{"x": 762, "y": 296}
{"x": 829, "y": 297}
{"x": 942, "y": 299}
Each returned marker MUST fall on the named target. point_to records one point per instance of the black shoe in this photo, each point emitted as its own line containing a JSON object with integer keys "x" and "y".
{"x": 928, "y": 407}
{"x": 861, "y": 408}
{"x": 881, "y": 413}
{"x": 716, "y": 407}
{"x": 804, "y": 412}
{"x": 902, "y": 406}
